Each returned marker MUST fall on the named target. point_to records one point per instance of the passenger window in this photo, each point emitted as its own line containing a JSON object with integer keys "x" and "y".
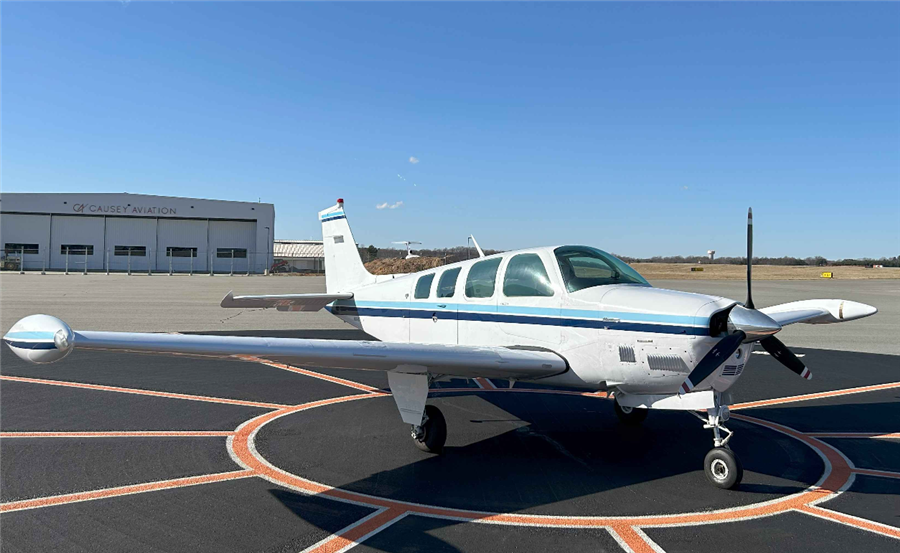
{"x": 481, "y": 279}
{"x": 447, "y": 284}
{"x": 423, "y": 286}
{"x": 526, "y": 276}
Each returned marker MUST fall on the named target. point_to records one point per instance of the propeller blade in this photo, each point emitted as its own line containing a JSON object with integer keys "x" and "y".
{"x": 779, "y": 351}
{"x": 749, "y": 303}
{"x": 711, "y": 361}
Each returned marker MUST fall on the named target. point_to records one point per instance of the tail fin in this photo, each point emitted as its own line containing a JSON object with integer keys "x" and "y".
{"x": 344, "y": 269}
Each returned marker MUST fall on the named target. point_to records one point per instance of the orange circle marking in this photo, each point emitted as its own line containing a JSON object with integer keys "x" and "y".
{"x": 838, "y": 474}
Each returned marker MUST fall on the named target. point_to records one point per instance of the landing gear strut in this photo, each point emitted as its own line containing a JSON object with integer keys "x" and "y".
{"x": 431, "y": 433}
{"x": 721, "y": 466}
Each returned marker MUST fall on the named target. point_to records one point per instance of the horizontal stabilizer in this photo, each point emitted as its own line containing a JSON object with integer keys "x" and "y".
{"x": 283, "y": 302}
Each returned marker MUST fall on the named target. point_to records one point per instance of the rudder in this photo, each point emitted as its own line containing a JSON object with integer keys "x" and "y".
{"x": 344, "y": 270}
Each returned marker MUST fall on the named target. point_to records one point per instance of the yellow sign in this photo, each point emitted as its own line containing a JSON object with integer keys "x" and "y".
{"x": 828, "y": 275}
{"x": 694, "y": 269}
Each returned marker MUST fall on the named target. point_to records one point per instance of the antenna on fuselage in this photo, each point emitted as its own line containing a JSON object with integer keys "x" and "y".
{"x": 477, "y": 247}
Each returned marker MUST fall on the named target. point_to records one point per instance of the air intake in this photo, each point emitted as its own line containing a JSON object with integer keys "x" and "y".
{"x": 672, "y": 363}
{"x": 626, "y": 354}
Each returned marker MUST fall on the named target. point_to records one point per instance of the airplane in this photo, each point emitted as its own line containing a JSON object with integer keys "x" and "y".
{"x": 565, "y": 316}
{"x": 407, "y": 243}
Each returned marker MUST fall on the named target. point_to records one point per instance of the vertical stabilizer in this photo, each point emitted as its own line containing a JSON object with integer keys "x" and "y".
{"x": 344, "y": 269}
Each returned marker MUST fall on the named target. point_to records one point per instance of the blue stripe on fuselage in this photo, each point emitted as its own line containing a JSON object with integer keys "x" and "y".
{"x": 579, "y": 318}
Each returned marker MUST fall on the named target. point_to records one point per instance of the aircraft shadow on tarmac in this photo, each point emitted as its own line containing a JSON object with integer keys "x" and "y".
{"x": 568, "y": 455}
{"x": 532, "y": 453}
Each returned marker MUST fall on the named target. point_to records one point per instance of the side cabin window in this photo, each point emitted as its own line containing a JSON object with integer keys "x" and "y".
{"x": 526, "y": 276}
{"x": 423, "y": 286}
{"x": 447, "y": 284}
{"x": 481, "y": 278}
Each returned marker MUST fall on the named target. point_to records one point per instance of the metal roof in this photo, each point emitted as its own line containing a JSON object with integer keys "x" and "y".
{"x": 299, "y": 249}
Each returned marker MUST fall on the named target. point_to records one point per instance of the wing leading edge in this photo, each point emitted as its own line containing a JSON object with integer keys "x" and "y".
{"x": 45, "y": 339}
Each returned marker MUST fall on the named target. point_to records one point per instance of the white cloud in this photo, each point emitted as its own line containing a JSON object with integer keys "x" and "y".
{"x": 684, "y": 188}
{"x": 381, "y": 206}
{"x": 413, "y": 160}
{"x": 386, "y": 205}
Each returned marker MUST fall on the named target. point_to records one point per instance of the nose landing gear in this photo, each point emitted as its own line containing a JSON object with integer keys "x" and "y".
{"x": 721, "y": 466}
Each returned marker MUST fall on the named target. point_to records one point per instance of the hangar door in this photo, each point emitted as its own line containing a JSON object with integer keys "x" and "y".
{"x": 27, "y": 235}
{"x": 131, "y": 240}
{"x": 182, "y": 243}
{"x": 231, "y": 244}
{"x": 79, "y": 236}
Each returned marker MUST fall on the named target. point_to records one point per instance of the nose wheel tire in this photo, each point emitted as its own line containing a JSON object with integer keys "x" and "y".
{"x": 723, "y": 469}
{"x": 629, "y": 416}
{"x": 432, "y": 433}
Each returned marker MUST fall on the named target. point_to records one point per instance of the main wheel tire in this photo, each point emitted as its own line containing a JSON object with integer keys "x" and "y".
{"x": 629, "y": 416}
{"x": 434, "y": 431}
{"x": 723, "y": 468}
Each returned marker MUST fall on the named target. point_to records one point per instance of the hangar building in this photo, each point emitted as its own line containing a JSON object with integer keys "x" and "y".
{"x": 137, "y": 232}
{"x": 299, "y": 256}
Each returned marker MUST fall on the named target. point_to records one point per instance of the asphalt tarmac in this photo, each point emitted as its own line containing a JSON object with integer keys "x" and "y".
{"x": 141, "y": 452}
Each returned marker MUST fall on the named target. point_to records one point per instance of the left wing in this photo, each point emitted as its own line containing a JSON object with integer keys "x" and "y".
{"x": 44, "y": 339}
{"x": 818, "y": 311}
{"x": 283, "y": 302}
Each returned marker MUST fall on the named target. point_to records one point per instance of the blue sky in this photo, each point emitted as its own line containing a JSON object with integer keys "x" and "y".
{"x": 642, "y": 129}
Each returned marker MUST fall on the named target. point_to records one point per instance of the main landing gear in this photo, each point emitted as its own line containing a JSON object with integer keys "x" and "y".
{"x": 431, "y": 433}
{"x": 722, "y": 467}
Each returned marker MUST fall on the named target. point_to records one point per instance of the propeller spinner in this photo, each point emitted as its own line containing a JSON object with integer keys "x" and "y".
{"x": 745, "y": 325}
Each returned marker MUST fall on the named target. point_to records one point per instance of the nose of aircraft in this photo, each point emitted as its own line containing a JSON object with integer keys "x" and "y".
{"x": 755, "y": 324}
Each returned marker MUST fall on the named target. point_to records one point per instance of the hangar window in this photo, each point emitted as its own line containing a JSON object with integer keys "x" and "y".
{"x": 481, "y": 278}
{"x": 173, "y": 251}
{"x": 447, "y": 284}
{"x": 12, "y": 247}
{"x": 76, "y": 249}
{"x": 133, "y": 251}
{"x": 228, "y": 253}
{"x": 423, "y": 286}
{"x": 526, "y": 276}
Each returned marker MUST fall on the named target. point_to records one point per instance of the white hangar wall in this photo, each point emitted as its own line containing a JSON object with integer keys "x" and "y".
{"x": 137, "y": 232}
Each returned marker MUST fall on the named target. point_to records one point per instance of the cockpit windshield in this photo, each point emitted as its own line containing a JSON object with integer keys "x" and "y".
{"x": 583, "y": 267}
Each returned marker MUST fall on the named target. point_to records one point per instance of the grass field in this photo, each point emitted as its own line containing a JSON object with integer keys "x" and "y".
{"x": 682, "y": 271}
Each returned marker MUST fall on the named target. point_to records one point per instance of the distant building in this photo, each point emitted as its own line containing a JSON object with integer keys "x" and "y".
{"x": 137, "y": 232}
{"x": 299, "y": 256}
{"x": 711, "y": 254}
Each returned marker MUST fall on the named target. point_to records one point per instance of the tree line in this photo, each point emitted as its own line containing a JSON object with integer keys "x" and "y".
{"x": 461, "y": 253}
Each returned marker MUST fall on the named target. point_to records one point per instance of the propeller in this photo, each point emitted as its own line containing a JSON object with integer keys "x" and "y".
{"x": 745, "y": 325}
{"x": 779, "y": 351}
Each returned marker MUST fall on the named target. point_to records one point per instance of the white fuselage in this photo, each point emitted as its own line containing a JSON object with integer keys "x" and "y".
{"x": 634, "y": 338}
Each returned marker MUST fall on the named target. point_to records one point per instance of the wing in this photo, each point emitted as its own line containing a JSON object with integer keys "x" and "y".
{"x": 818, "y": 311}
{"x": 284, "y": 302}
{"x": 42, "y": 339}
